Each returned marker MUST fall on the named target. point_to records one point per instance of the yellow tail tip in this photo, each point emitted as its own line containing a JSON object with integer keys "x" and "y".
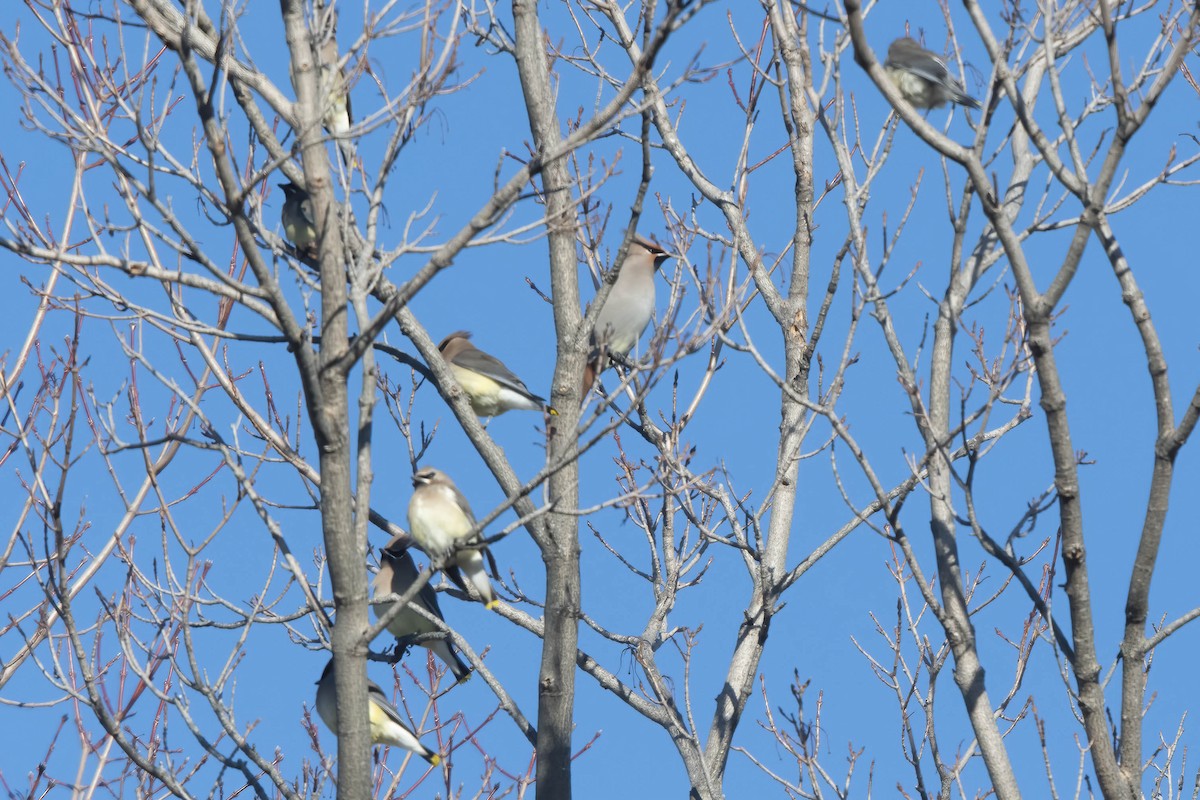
{"x": 434, "y": 760}
{"x": 492, "y": 605}
{"x": 552, "y": 411}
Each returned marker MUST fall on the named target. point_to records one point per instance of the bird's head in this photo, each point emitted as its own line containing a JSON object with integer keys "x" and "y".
{"x": 454, "y": 344}
{"x": 427, "y": 476}
{"x": 657, "y": 253}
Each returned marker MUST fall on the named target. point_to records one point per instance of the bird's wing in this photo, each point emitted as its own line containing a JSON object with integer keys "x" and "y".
{"x": 462, "y": 503}
{"x": 406, "y": 573}
{"x": 376, "y": 696}
{"x": 427, "y": 599}
{"x": 489, "y": 366}
{"x": 307, "y": 212}
{"x": 931, "y": 68}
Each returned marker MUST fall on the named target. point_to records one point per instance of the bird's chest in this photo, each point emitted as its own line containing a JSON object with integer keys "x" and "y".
{"x": 623, "y": 319}
{"x": 916, "y": 90}
{"x": 436, "y": 522}
{"x": 483, "y": 392}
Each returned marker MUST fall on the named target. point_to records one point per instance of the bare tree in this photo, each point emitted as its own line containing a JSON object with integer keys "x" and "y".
{"x": 211, "y": 375}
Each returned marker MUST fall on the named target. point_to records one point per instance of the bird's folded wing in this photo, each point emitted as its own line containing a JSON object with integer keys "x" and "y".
{"x": 491, "y": 367}
{"x": 380, "y": 699}
{"x": 931, "y": 69}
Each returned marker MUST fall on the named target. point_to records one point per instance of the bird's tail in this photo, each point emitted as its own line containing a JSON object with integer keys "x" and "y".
{"x": 433, "y": 758}
{"x": 964, "y": 99}
{"x": 446, "y": 652}
{"x": 349, "y": 153}
{"x": 471, "y": 563}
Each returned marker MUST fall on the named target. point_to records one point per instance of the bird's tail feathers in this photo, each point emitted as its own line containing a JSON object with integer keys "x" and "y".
{"x": 446, "y": 652}
{"x": 471, "y": 562}
{"x": 964, "y": 99}
{"x": 483, "y": 586}
{"x": 349, "y": 153}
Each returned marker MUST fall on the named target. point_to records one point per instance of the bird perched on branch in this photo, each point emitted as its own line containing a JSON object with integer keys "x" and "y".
{"x": 299, "y": 225}
{"x": 386, "y": 724}
{"x": 627, "y": 310}
{"x": 491, "y": 387}
{"x": 397, "y": 573}
{"x": 441, "y": 522}
{"x": 333, "y": 86}
{"x": 338, "y": 117}
{"x": 922, "y": 78}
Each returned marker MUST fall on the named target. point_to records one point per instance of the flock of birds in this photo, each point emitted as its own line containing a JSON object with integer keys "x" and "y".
{"x": 442, "y": 524}
{"x": 440, "y": 519}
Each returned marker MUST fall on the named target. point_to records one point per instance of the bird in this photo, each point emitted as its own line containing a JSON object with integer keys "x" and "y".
{"x": 491, "y": 387}
{"x": 397, "y": 573}
{"x": 339, "y": 116}
{"x": 628, "y": 308}
{"x": 299, "y": 225}
{"x": 922, "y": 78}
{"x": 441, "y": 522}
{"x": 336, "y": 114}
{"x": 386, "y": 725}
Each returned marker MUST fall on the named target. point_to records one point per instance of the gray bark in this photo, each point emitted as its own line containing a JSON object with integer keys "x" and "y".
{"x": 560, "y": 548}
{"x": 328, "y": 408}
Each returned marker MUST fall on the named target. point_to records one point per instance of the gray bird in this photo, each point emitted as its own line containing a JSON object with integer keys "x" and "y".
{"x": 921, "y": 76}
{"x": 441, "y": 522}
{"x": 339, "y": 116}
{"x": 334, "y": 91}
{"x": 387, "y": 727}
{"x": 299, "y": 225}
{"x": 397, "y": 573}
{"x": 491, "y": 387}
{"x": 628, "y": 308}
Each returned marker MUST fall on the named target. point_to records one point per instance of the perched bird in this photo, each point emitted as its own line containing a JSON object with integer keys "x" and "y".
{"x": 386, "y": 725}
{"x": 491, "y": 387}
{"x": 334, "y": 93}
{"x": 397, "y": 573}
{"x": 299, "y": 225}
{"x": 338, "y": 117}
{"x": 440, "y": 521}
{"x": 628, "y": 308}
{"x": 921, "y": 76}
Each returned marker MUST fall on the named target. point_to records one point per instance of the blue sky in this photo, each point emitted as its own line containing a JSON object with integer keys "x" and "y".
{"x": 450, "y": 167}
